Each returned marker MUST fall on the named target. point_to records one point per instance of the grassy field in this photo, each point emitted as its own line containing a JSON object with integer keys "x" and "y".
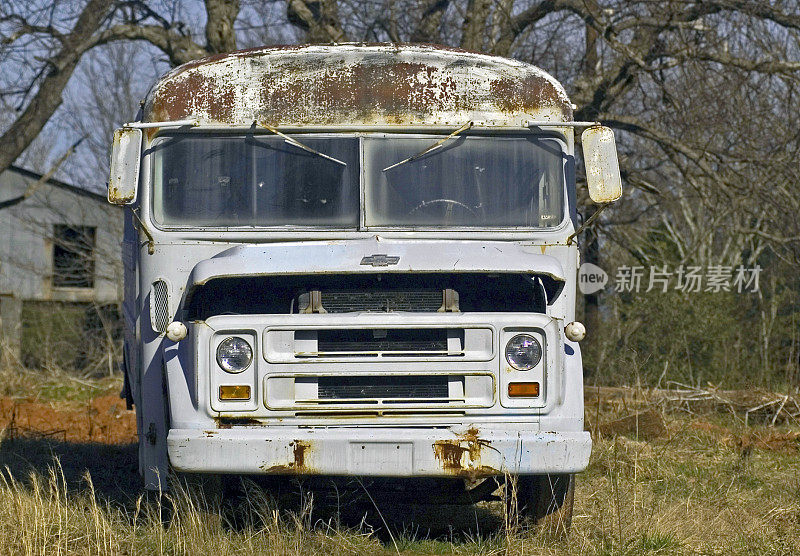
{"x": 703, "y": 483}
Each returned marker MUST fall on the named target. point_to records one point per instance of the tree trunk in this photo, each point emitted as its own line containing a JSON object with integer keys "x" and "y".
{"x": 474, "y": 29}
{"x": 220, "y": 33}
{"x": 427, "y": 29}
{"x": 591, "y": 244}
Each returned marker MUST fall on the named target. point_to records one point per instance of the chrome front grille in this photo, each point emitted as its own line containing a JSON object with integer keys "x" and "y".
{"x": 375, "y": 390}
{"x": 356, "y": 343}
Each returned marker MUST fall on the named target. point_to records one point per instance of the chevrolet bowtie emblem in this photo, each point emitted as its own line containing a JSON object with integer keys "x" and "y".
{"x": 380, "y": 260}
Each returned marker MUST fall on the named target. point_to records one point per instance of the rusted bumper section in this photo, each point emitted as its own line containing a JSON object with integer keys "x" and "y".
{"x": 391, "y": 452}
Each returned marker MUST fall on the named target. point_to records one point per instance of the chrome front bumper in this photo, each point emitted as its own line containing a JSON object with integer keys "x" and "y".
{"x": 467, "y": 452}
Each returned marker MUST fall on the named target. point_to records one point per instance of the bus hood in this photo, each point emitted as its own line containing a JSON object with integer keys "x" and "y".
{"x": 378, "y": 255}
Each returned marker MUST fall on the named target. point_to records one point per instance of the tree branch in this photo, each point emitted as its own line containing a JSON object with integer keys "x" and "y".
{"x": 178, "y": 48}
{"x": 761, "y": 10}
{"x": 760, "y": 66}
{"x": 48, "y": 96}
{"x": 25, "y": 28}
{"x": 318, "y": 18}
{"x": 646, "y": 131}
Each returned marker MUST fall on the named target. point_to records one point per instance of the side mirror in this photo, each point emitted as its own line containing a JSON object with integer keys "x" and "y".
{"x": 602, "y": 165}
{"x": 126, "y": 151}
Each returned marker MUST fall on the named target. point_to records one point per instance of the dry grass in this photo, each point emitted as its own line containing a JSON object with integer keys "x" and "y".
{"x": 694, "y": 492}
{"x": 709, "y": 485}
{"x": 54, "y": 385}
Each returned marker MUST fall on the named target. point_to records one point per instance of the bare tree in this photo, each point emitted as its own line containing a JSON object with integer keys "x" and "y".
{"x": 634, "y": 45}
{"x": 51, "y": 79}
{"x": 701, "y": 92}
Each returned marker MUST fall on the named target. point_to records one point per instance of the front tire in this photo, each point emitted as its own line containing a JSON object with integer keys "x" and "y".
{"x": 545, "y": 501}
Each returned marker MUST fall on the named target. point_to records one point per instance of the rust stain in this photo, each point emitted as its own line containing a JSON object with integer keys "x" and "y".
{"x": 474, "y": 473}
{"x": 299, "y": 450}
{"x": 449, "y": 453}
{"x": 461, "y": 456}
{"x": 227, "y": 421}
{"x": 357, "y": 85}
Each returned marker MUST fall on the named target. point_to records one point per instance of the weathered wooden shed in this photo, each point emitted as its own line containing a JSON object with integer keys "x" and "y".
{"x": 59, "y": 243}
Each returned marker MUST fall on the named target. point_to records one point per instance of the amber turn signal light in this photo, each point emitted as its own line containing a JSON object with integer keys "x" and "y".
{"x": 237, "y": 392}
{"x": 523, "y": 389}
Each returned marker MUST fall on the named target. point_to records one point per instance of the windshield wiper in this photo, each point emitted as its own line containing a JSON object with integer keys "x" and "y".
{"x": 294, "y": 142}
{"x": 432, "y": 148}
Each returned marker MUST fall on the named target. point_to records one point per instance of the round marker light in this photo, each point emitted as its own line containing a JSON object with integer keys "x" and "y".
{"x": 575, "y": 331}
{"x": 523, "y": 352}
{"x": 234, "y": 354}
{"x": 176, "y": 331}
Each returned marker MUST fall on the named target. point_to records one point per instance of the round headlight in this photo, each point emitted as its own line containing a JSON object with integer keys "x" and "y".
{"x": 523, "y": 352}
{"x": 234, "y": 354}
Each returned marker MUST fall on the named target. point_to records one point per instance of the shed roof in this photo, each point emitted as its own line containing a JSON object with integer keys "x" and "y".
{"x": 34, "y": 176}
{"x": 357, "y": 84}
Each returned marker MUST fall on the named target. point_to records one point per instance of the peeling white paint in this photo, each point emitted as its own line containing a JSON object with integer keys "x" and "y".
{"x": 358, "y": 85}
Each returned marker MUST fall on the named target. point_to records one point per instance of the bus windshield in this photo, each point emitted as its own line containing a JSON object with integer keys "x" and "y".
{"x": 267, "y": 180}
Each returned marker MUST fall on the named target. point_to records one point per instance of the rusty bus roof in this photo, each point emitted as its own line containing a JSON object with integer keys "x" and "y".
{"x": 357, "y": 85}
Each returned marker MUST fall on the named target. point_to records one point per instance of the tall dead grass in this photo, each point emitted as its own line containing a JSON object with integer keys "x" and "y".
{"x": 40, "y": 516}
{"x": 692, "y": 493}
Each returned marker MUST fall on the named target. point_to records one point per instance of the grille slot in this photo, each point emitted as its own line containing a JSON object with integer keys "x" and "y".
{"x": 159, "y": 306}
{"x": 382, "y": 387}
{"x": 403, "y": 340}
{"x": 379, "y": 341}
{"x": 362, "y": 391}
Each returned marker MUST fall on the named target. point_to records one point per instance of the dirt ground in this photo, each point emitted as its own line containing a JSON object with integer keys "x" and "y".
{"x": 103, "y": 420}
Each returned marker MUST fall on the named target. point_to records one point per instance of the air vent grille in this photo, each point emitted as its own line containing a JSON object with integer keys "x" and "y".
{"x": 378, "y": 301}
{"x": 159, "y": 306}
{"x": 382, "y": 301}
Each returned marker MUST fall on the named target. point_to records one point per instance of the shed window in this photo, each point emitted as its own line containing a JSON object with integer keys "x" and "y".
{"x": 73, "y": 256}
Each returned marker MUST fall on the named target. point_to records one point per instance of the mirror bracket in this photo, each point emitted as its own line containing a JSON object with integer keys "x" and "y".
{"x": 151, "y": 245}
{"x": 587, "y": 223}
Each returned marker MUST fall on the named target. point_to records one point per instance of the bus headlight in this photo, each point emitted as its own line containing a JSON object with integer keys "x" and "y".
{"x": 523, "y": 352}
{"x": 234, "y": 354}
